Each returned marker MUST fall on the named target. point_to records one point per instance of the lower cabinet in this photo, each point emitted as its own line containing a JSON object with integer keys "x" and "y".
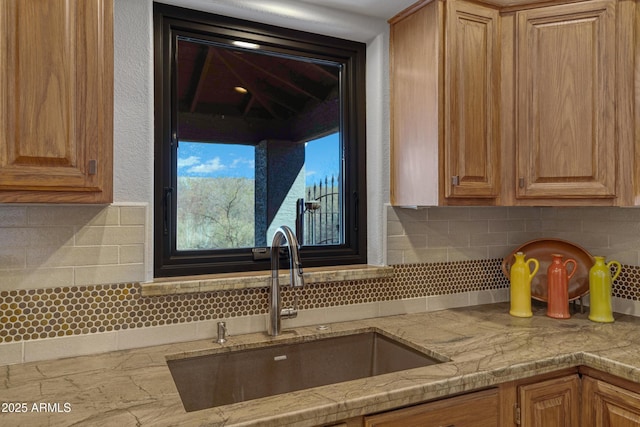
{"x": 478, "y": 409}
{"x": 551, "y": 403}
{"x": 575, "y": 397}
{"x": 607, "y": 405}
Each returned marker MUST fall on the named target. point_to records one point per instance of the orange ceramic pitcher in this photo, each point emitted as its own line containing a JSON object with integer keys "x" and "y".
{"x": 558, "y": 287}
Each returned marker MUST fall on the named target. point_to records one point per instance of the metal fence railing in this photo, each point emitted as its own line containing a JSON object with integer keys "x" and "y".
{"x": 322, "y": 213}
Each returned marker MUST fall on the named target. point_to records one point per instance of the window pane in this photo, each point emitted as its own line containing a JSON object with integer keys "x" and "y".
{"x": 256, "y": 127}
{"x": 215, "y": 196}
{"x": 323, "y": 194}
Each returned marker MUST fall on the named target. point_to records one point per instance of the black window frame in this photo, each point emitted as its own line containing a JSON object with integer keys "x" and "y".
{"x": 171, "y": 20}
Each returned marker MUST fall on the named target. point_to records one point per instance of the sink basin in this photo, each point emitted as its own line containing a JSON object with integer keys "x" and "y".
{"x": 235, "y": 376}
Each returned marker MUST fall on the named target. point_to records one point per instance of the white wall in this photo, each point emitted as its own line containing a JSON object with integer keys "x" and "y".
{"x": 133, "y": 115}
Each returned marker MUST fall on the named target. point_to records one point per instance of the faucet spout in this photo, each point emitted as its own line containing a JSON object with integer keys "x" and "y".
{"x": 276, "y": 313}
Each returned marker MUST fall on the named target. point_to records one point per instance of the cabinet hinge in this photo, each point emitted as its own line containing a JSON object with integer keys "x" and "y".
{"x": 521, "y": 182}
{"x": 93, "y": 167}
{"x": 455, "y": 180}
{"x": 516, "y": 414}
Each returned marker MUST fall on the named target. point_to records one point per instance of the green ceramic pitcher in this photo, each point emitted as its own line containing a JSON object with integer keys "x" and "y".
{"x": 600, "y": 281}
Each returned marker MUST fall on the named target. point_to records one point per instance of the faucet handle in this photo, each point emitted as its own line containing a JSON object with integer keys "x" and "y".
{"x": 222, "y": 333}
{"x": 290, "y": 312}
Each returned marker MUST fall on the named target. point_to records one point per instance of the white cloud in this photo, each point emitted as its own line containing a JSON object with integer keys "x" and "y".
{"x": 209, "y": 166}
{"x": 189, "y": 161}
{"x": 243, "y": 162}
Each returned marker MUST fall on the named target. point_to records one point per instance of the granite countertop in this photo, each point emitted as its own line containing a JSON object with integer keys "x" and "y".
{"x": 485, "y": 346}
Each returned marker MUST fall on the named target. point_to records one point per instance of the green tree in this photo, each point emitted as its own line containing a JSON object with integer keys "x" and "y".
{"x": 215, "y": 213}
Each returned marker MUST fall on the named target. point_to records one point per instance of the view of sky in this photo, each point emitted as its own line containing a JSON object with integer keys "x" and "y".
{"x": 196, "y": 159}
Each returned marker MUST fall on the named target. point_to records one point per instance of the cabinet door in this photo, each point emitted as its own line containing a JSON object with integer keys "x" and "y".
{"x": 472, "y": 92}
{"x": 551, "y": 403}
{"x": 479, "y": 409}
{"x": 565, "y": 82}
{"x": 606, "y": 405}
{"x": 56, "y": 100}
{"x": 415, "y": 78}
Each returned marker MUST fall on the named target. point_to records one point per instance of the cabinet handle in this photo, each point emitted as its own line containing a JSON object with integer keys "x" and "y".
{"x": 521, "y": 182}
{"x": 455, "y": 180}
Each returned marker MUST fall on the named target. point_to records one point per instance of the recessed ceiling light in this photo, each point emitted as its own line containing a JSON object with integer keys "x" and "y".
{"x": 240, "y": 89}
{"x": 245, "y": 45}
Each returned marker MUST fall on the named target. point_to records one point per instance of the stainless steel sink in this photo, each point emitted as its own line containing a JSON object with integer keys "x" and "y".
{"x": 236, "y": 376}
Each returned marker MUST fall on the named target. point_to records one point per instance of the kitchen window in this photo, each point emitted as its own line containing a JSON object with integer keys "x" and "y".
{"x": 255, "y": 127}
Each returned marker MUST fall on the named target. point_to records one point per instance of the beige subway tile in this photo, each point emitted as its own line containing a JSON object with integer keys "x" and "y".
{"x": 625, "y": 306}
{"x": 415, "y": 227}
{"x": 395, "y": 257}
{"x": 437, "y": 227}
{"x": 49, "y": 236}
{"x": 425, "y": 255}
{"x": 351, "y": 312}
{"x": 35, "y": 278}
{"x": 612, "y": 227}
{"x": 405, "y": 214}
{"x": 489, "y": 296}
{"x": 404, "y": 306}
{"x": 499, "y": 252}
{"x": 628, "y": 257}
{"x": 13, "y": 258}
{"x": 449, "y": 213}
{"x": 72, "y": 215}
{"x": 564, "y": 225}
{"x": 489, "y": 239}
{"x": 131, "y": 254}
{"x": 524, "y": 212}
{"x": 133, "y": 215}
{"x": 489, "y": 212}
{"x": 506, "y": 225}
{"x": 11, "y": 353}
{"x": 466, "y": 254}
{"x": 89, "y": 236}
{"x": 155, "y": 335}
{"x": 442, "y": 302}
{"x": 13, "y": 216}
{"x": 448, "y": 240}
{"x": 56, "y": 348}
{"x": 586, "y": 240}
{"x": 395, "y": 228}
{"x": 406, "y": 242}
{"x": 533, "y": 225}
{"x": 94, "y": 275}
{"x": 36, "y": 236}
{"x": 519, "y": 238}
{"x": 235, "y": 326}
{"x": 67, "y": 256}
{"x": 308, "y": 318}
{"x": 480, "y": 226}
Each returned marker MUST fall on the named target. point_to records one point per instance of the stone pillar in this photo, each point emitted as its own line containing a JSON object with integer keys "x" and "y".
{"x": 280, "y": 181}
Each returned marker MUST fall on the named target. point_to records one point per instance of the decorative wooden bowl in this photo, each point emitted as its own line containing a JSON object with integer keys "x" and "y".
{"x": 541, "y": 249}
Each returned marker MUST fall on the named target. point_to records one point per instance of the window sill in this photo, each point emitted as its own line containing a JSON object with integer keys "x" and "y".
{"x": 260, "y": 279}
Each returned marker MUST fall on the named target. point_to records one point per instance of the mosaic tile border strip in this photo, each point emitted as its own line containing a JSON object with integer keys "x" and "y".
{"x": 64, "y": 311}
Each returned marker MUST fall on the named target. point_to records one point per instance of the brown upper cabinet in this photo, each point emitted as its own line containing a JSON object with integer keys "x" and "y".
{"x": 56, "y": 101}
{"x": 514, "y": 103}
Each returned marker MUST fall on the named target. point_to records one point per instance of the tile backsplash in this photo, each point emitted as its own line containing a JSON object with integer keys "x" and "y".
{"x": 69, "y": 245}
{"x": 75, "y": 272}
{"x": 463, "y": 233}
{"x": 79, "y": 310}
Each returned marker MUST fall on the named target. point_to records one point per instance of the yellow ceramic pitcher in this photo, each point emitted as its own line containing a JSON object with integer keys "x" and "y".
{"x": 600, "y": 289}
{"x": 520, "y": 277}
